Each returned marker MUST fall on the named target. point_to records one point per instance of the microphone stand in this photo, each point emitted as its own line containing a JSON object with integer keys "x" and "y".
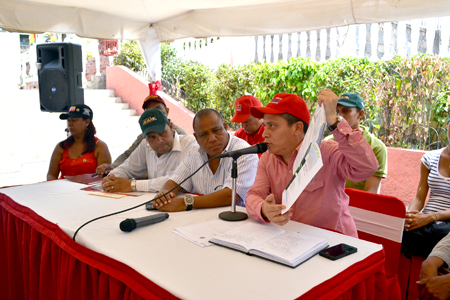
{"x": 233, "y": 215}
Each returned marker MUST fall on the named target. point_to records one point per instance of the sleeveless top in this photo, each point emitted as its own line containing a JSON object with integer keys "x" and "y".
{"x": 86, "y": 164}
{"x": 439, "y": 185}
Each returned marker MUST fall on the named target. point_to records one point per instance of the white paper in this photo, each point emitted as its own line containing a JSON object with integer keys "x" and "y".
{"x": 200, "y": 234}
{"x": 308, "y": 161}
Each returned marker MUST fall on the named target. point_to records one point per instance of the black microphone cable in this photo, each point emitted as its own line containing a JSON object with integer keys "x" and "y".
{"x": 136, "y": 206}
{"x": 260, "y": 147}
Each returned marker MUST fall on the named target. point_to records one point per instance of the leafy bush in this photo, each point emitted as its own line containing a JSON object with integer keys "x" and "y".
{"x": 130, "y": 56}
{"x": 404, "y": 97}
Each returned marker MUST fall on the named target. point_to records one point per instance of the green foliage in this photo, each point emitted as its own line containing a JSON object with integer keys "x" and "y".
{"x": 196, "y": 82}
{"x": 295, "y": 76}
{"x": 229, "y": 84}
{"x": 130, "y": 56}
{"x": 403, "y": 97}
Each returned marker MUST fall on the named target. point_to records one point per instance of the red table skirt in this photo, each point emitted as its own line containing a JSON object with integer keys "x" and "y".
{"x": 39, "y": 261}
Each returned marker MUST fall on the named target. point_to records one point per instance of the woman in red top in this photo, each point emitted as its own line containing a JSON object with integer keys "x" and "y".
{"x": 81, "y": 152}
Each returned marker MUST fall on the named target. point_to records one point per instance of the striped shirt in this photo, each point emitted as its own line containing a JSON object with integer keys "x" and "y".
{"x": 144, "y": 159}
{"x": 439, "y": 185}
{"x": 205, "y": 182}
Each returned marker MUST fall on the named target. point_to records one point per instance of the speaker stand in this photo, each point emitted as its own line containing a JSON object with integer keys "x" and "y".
{"x": 233, "y": 215}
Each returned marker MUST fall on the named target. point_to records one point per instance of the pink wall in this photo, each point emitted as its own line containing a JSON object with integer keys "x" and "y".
{"x": 403, "y": 174}
{"x": 133, "y": 90}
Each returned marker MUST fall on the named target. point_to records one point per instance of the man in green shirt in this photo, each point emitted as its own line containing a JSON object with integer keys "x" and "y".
{"x": 351, "y": 106}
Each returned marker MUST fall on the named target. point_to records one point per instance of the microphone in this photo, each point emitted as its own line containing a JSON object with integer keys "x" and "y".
{"x": 258, "y": 148}
{"x": 130, "y": 224}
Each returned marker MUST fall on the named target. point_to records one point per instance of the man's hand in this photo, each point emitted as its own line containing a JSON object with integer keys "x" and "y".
{"x": 104, "y": 169}
{"x": 437, "y": 287}
{"x": 272, "y": 211}
{"x": 175, "y": 204}
{"x": 164, "y": 200}
{"x": 415, "y": 219}
{"x": 430, "y": 267}
{"x": 111, "y": 183}
{"x": 329, "y": 101}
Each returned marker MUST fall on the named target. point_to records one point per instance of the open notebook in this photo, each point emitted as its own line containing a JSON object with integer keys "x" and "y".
{"x": 273, "y": 243}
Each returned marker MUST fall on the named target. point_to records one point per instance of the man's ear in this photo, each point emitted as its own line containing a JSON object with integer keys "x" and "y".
{"x": 361, "y": 114}
{"x": 299, "y": 127}
{"x": 167, "y": 111}
{"x": 225, "y": 126}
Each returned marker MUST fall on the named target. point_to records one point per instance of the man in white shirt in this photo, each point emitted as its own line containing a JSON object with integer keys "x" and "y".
{"x": 159, "y": 154}
{"x": 213, "y": 182}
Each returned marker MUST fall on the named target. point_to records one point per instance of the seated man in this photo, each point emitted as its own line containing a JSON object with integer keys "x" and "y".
{"x": 434, "y": 280}
{"x": 351, "y": 107}
{"x": 323, "y": 203}
{"x": 159, "y": 154}
{"x": 252, "y": 128}
{"x": 214, "y": 180}
{"x": 151, "y": 101}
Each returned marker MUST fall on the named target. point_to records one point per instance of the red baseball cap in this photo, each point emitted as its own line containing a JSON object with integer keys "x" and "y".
{"x": 284, "y": 103}
{"x": 242, "y": 108}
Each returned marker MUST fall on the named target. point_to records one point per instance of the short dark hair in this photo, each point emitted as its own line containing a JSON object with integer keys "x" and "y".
{"x": 206, "y": 112}
{"x": 291, "y": 120}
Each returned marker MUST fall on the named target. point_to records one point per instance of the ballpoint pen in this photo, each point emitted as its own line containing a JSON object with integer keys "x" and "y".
{"x": 98, "y": 173}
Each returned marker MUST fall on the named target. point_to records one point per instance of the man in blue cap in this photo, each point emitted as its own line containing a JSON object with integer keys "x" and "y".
{"x": 159, "y": 154}
{"x": 351, "y": 106}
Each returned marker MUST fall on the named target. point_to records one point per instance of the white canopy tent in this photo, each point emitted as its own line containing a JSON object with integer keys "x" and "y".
{"x": 151, "y": 21}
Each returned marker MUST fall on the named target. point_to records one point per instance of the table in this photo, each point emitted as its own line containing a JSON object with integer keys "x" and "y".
{"x": 152, "y": 262}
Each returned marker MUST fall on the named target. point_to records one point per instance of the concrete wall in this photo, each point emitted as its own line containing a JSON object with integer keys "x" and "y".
{"x": 403, "y": 174}
{"x": 133, "y": 90}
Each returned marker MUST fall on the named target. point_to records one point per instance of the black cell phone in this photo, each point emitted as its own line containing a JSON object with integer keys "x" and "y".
{"x": 338, "y": 251}
{"x": 149, "y": 206}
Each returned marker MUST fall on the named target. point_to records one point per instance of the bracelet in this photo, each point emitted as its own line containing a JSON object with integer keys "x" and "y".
{"x": 434, "y": 215}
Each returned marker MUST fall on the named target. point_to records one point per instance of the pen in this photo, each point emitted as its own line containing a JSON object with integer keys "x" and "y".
{"x": 98, "y": 173}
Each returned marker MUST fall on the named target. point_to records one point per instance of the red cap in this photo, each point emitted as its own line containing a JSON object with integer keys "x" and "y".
{"x": 242, "y": 108}
{"x": 154, "y": 87}
{"x": 284, "y": 103}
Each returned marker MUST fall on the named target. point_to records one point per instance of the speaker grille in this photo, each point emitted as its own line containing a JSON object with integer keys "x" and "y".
{"x": 54, "y": 91}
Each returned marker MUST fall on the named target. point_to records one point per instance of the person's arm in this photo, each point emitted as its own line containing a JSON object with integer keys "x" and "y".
{"x": 101, "y": 153}
{"x": 353, "y": 158}
{"x": 53, "y": 169}
{"x": 373, "y": 184}
{"x": 216, "y": 199}
{"x": 422, "y": 190}
{"x": 119, "y": 160}
{"x": 414, "y": 218}
{"x": 135, "y": 166}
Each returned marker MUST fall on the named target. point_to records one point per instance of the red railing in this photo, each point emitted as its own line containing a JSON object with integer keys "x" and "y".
{"x": 107, "y": 47}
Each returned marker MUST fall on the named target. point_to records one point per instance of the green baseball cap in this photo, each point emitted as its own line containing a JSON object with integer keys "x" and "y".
{"x": 351, "y": 100}
{"x": 153, "y": 120}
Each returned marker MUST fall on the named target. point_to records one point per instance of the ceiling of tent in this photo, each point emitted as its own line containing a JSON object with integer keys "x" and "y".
{"x": 175, "y": 19}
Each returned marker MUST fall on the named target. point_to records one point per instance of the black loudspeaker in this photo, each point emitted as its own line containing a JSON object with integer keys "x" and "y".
{"x": 59, "y": 72}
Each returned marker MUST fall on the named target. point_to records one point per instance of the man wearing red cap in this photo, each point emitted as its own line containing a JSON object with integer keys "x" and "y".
{"x": 151, "y": 101}
{"x": 252, "y": 128}
{"x": 323, "y": 203}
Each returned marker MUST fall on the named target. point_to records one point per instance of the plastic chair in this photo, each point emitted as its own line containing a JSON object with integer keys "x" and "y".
{"x": 380, "y": 219}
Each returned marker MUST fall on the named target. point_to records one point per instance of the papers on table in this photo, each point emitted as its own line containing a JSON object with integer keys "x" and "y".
{"x": 308, "y": 161}
{"x": 200, "y": 234}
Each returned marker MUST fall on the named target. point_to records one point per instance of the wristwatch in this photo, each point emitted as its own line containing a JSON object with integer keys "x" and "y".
{"x": 334, "y": 126}
{"x": 133, "y": 184}
{"x": 189, "y": 202}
